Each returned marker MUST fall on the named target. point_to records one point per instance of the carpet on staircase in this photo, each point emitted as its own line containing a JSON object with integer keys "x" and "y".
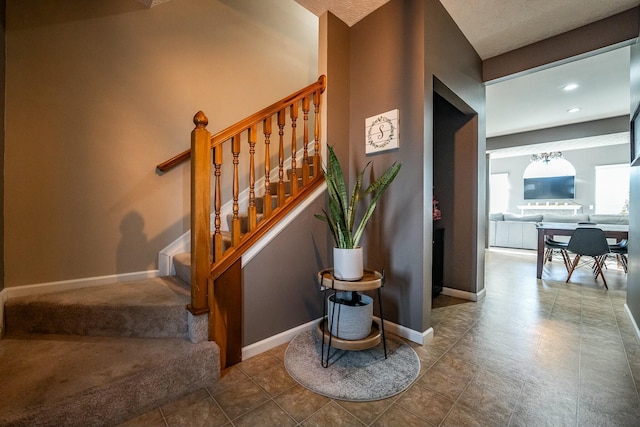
{"x": 100, "y": 355}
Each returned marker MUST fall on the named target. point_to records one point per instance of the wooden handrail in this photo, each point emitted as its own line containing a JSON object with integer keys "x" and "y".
{"x": 233, "y": 254}
{"x": 246, "y": 123}
{"x": 216, "y": 273}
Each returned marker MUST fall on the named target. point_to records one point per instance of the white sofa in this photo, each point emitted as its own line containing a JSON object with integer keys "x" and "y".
{"x": 519, "y": 231}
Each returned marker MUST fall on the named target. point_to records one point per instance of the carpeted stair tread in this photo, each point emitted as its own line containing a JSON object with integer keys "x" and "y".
{"x": 146, "y": 308}
{"x": 80, "y": 380}
{"x": 244, "y": 222}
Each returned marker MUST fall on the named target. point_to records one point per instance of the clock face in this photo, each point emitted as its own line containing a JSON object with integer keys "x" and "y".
{"x": 382, "y": 132}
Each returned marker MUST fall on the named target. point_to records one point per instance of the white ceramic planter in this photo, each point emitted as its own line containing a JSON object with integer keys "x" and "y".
{"x": 348, "y": 263}
{"x": 351, "y": 322}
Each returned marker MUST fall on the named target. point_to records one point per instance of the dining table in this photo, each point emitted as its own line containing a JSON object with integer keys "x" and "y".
{"x": 611, "y": 231}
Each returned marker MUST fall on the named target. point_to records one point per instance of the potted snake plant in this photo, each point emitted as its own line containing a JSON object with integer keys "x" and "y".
{"x": 341, "y": 216}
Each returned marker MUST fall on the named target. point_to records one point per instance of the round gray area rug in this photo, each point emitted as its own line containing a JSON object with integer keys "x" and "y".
{"x": 363, "y": 375}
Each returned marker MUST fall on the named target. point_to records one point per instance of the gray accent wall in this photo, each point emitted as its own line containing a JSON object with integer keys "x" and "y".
{"x": 280, "y": 287}
{"x": 633, "y": 276}
{"x": 395, "y": 53}
{"x": 561, "y": 133}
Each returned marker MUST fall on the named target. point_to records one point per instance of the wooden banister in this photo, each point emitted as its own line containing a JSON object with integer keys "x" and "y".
{"x": 233, "y": 254}
{"x": 317, "y": 87}
{"x": 215, "y": 260}
{"x": 200, "y": 211}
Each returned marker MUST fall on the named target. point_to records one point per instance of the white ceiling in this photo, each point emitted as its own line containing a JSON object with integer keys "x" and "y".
{"x": 536, "y": 100}
{"x": 532, "y": 101}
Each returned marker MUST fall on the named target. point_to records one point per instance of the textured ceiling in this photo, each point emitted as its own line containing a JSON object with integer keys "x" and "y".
{"x": 531, "y": 101}
{"x": 349, "y": 11}
{"x": 498, "y": 26}
{"x": 151, "y": 3}
{"x": 495, "y": 26}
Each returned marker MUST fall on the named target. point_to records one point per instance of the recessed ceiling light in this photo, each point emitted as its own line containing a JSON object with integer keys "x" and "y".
{"x": 573, "y": 110}
{"x": 570, "y": 87}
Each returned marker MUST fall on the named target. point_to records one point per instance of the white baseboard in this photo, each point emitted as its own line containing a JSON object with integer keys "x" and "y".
{"x": 63, "y": 285}
{"x": 165, "y": 256}
{"x": 470, "y": 296}
{"x": 417, "y": 337}
{"x": 276, "y": 340}
{"x": 267, "y": 344}
{"x": 633, "y": 322}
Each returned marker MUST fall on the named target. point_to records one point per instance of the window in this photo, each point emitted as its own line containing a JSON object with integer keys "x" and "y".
{"x": 499, "y": 192}
{"x": 612, "y": 189}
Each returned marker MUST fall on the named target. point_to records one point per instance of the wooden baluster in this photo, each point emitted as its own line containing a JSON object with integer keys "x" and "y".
{"x": 200, "y": 212}
{"x": 305, "y": 155}
{"x": 235, "y": 223}
{"x": 253, "y": 221}
{"x": 266, "y": 130}
{"x": 294, "y": 172}
{"x": 217, "y": 234}
{"x": 281, "y": 187}
{"x": 317, "y": 101}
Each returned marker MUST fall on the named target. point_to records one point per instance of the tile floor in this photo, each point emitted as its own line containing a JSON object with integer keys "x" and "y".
{"x": 531, "y": 353}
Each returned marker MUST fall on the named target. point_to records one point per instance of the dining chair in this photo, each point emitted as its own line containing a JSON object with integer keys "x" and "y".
{"x": 620, "y": 250}
{"x": 588, "y": 241}
{"x": 552, "y": 246}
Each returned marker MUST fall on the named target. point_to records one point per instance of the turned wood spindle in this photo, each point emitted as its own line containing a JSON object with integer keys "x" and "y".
{"x": 294, "y": 173}
{"x": 253, "y": 136}
{"x": 305, "y": 141}
{"x": 281, "y": 186}
{"x": 235, "y": 228}
{"x": 266, "y": 130}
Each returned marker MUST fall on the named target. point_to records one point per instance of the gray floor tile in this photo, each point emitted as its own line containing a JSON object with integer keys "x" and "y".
{"x": 425, "y": 403}
{"x": 531, "y": 353}
{"x": 200, "y": 413}
{"x": 269, "y": 414}
{"x": 241, "y": 398}
{"x": 332, "y": 415}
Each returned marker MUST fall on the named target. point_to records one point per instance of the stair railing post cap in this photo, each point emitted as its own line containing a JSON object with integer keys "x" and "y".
{"x": 200, "y": 120}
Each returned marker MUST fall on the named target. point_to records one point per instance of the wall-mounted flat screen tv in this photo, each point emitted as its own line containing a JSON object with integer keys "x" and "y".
{"x": 553, "y": 187}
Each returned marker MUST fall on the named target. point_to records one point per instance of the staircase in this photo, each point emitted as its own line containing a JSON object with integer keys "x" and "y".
{"x": 215, "y": 257}
{"x": 182, "y": 260}
{"x": 100, "y": 355}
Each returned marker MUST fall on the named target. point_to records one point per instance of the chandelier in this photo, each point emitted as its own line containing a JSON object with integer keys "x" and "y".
{"x": 546, "y": 157}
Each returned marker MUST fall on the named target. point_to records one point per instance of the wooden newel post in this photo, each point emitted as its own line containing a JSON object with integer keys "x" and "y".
{"x": 200, "y": 214}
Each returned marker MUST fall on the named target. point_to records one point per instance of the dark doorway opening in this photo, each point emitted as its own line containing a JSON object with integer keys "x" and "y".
{"x": 455, "y": 187}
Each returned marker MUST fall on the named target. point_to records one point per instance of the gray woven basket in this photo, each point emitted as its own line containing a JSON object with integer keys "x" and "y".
{"x": 351, "y": 323}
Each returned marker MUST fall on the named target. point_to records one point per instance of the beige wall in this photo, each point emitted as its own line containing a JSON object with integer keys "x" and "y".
{"x": 2, "y": 112}
{"x": 97, "y": 95}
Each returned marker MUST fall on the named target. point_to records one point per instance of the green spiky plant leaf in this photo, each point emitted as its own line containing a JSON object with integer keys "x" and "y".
{"x": 341, "y": 217}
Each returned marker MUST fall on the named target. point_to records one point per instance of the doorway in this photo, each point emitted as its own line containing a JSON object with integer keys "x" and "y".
{"x": 455, "y": 187}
